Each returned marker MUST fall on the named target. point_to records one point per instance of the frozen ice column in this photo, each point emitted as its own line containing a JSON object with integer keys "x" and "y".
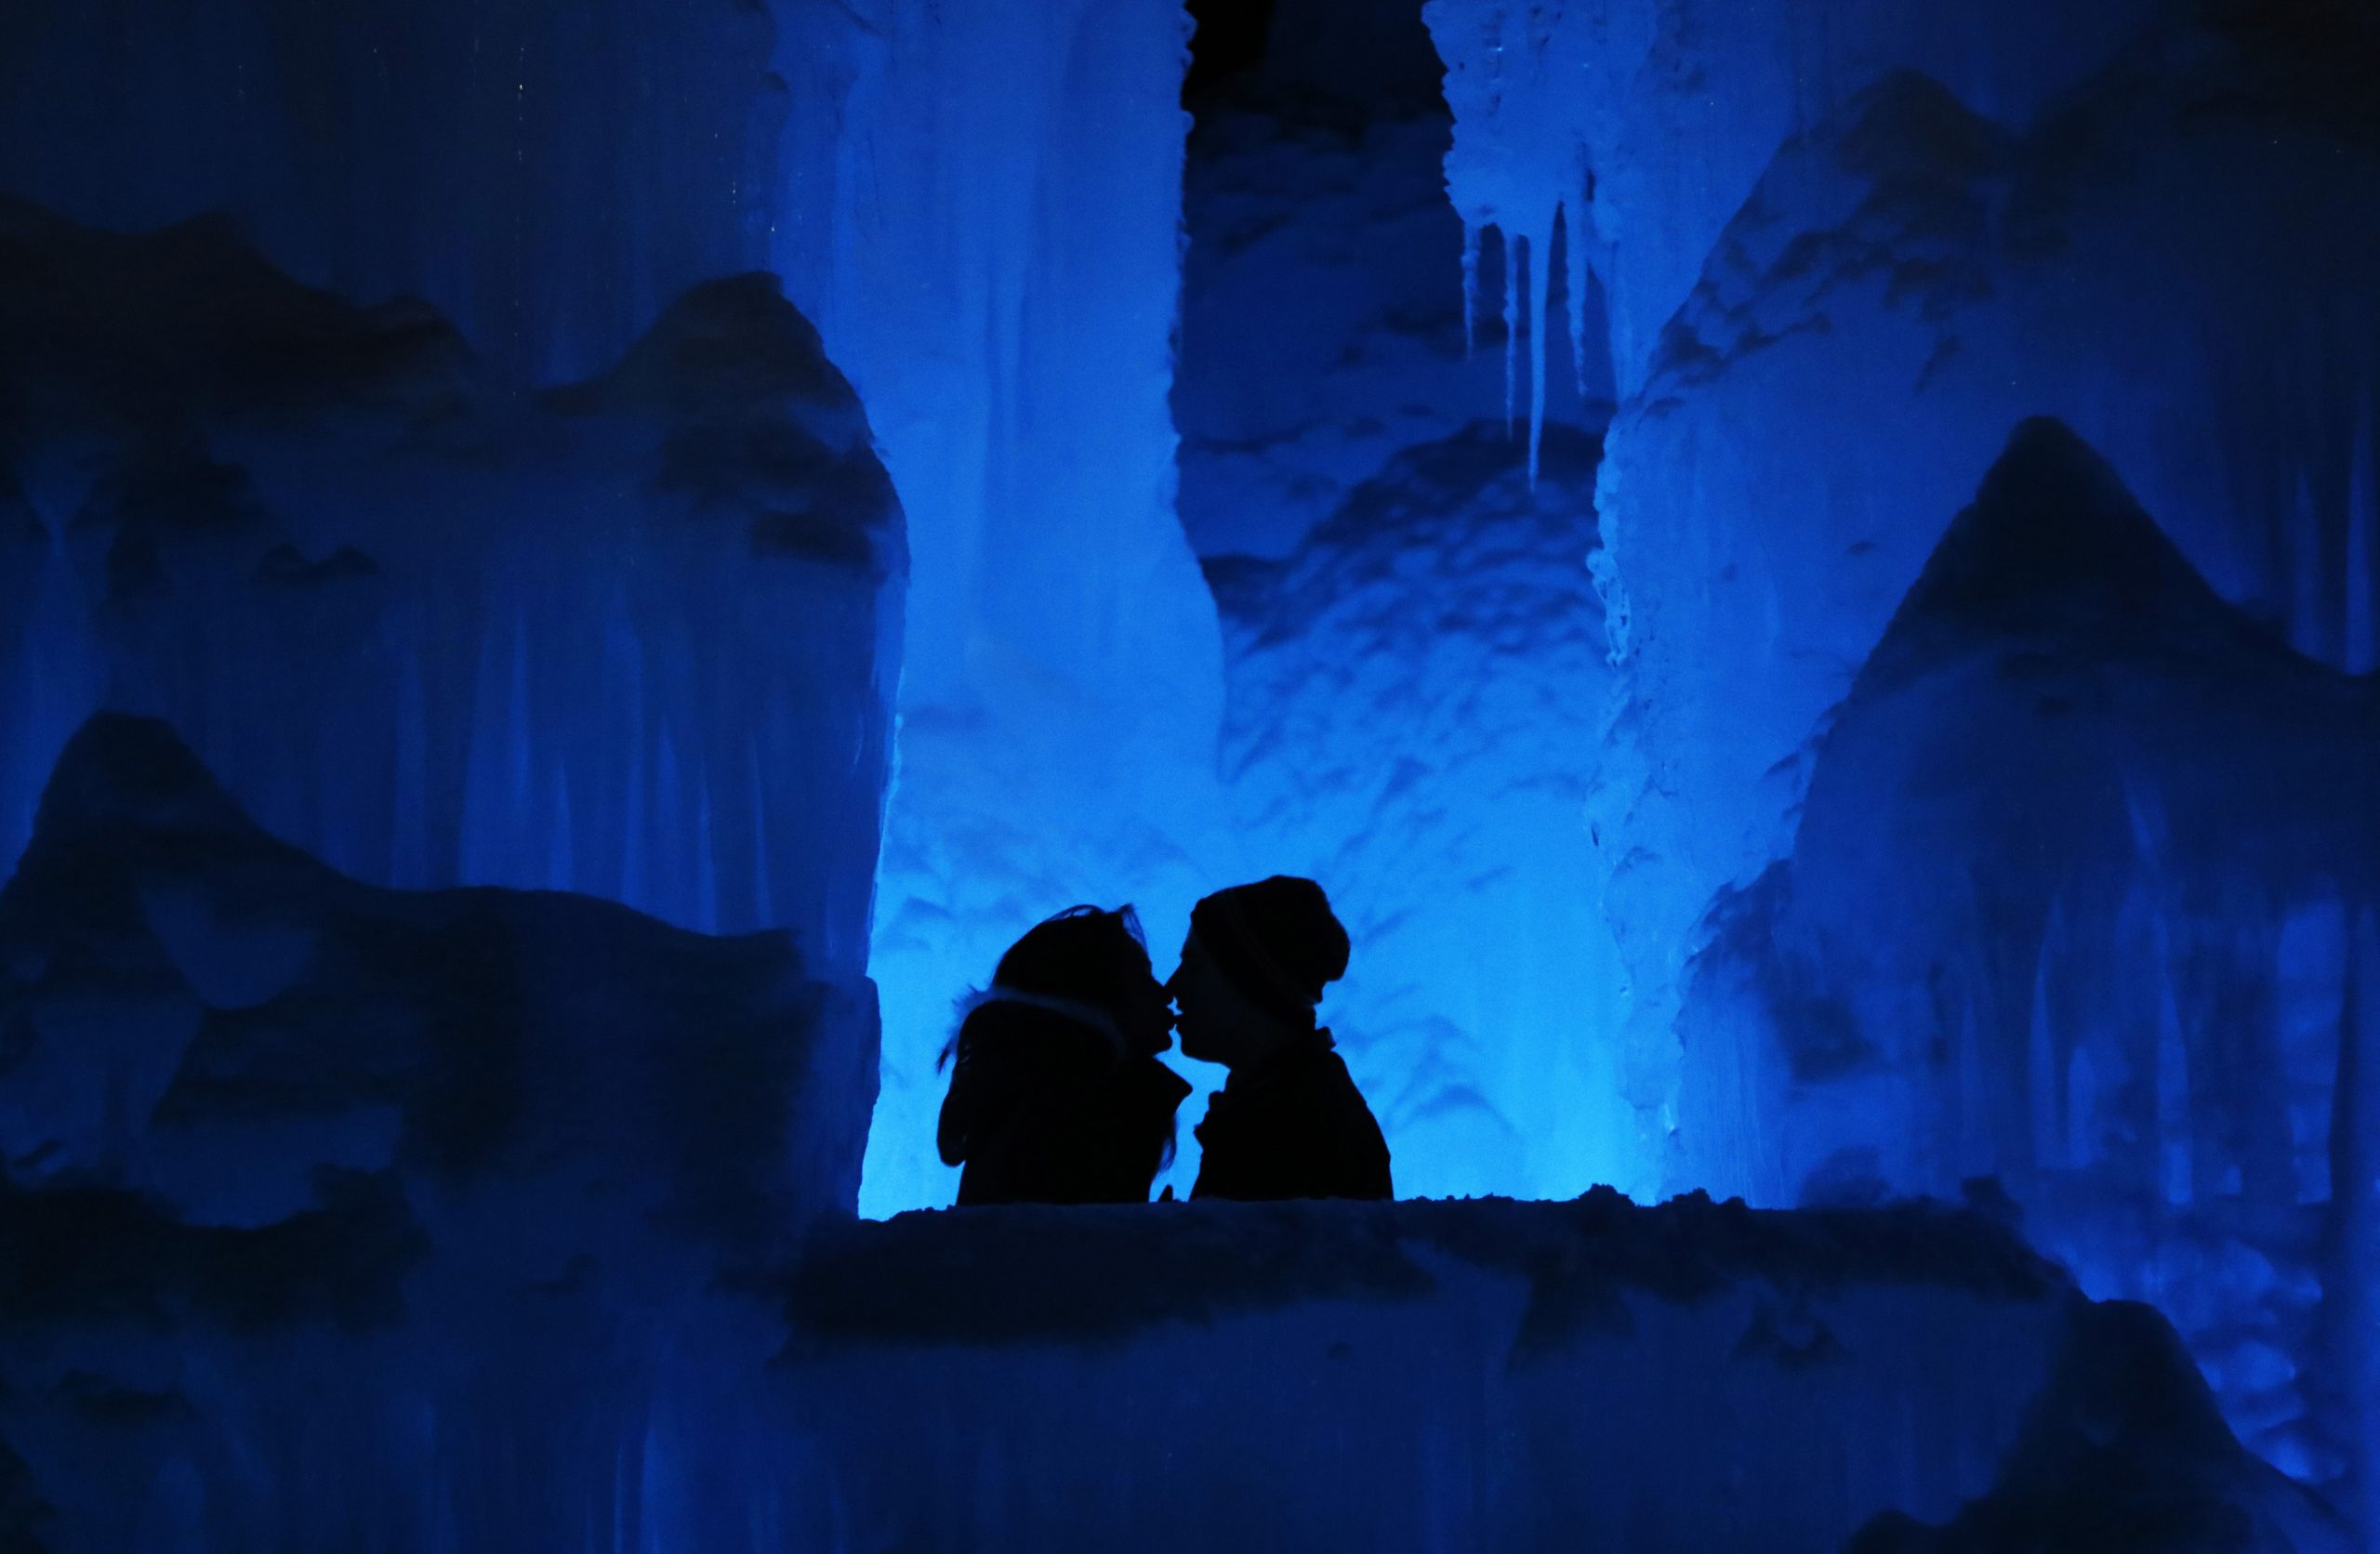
{"x": 981, "y": 211}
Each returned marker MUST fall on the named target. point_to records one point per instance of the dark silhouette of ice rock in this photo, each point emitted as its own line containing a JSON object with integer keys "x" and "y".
{"x": 2073, "y": 903}
{"x": 633, "y": 637}
{"x": 314, "y": 1189}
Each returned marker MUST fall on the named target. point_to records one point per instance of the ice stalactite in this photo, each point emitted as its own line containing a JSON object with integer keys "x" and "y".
{"x": 1513, "y": 315}
{"x": 2360, "y": 650}
{"x": 1650, "y": 129}
{"x": 987, "y": 204}
{"x": 1470, "y": 287}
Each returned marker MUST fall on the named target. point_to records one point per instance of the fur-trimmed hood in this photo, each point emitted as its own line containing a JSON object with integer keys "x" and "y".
{"x": 1087, "y": 1015}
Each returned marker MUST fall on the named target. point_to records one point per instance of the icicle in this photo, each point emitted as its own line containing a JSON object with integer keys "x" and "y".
{"x": 764, "y": 903}
{"x": 2305, "y": 559}
{"x": 1574, "y": 251}
{"x": 2082, "y": 1111}
{"x": 705, "y": 856}
{"x": 1539, "y": 259}
{"x": 2040, "y": 1060}
{"x": 2362, "y": 636}
{"x": 2175, "y": 1104}
{"x": 409, "y": 838}
{"x": 2355, "y": 1192}
{"x": 560, "y": 875}
{"x": 1469, "y": 286}
{"x": 519, "y": 735}
{"x": 669, "y": 804}
{"x": 1512, "y": 242}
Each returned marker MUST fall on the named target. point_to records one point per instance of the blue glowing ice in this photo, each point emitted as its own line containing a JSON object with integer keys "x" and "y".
{"x": 990, "y": 203}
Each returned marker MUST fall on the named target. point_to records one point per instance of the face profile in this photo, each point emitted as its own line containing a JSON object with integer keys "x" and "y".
{"x": 1147, "y": 1023}
{"x": 1211, "y": 1008}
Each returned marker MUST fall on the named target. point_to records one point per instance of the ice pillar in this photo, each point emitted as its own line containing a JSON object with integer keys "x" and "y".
{"x": 981, "y": 211}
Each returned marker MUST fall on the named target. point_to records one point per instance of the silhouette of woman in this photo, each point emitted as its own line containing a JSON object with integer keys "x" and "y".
{"x": 1056, "y": 1096}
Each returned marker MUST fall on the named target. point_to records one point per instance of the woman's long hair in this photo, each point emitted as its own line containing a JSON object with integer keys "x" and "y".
{"x": 1085, "y": 955}
{"x": 1086, "y": 962}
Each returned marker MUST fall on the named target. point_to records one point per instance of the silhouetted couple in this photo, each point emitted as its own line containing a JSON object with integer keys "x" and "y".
{"x": 1057, "y": 1095}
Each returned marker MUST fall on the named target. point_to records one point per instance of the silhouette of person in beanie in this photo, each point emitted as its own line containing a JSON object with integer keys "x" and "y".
{"x": 1288, "y": 1123}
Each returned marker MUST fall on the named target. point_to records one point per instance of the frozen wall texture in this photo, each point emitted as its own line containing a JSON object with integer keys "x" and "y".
{"x": 1500, "y": 1376}
{"x": 634, "y": 636}
{"x": 2083, "y": 898}
{"x": 982, "y": 213}
{"x": 347, "y": 1218}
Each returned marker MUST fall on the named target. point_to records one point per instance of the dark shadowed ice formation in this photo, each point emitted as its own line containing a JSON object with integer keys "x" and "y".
{"x": 340, "y": 1218}
{"x": 2082, "y": 898}
{"x": 634, "y": 636}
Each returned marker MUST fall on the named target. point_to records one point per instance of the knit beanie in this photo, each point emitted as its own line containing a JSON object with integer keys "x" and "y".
{"x": 1277, "y": 941}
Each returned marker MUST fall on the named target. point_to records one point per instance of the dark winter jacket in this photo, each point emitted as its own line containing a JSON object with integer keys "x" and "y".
{"x": 1295, "y": 1128}
{"x": 1046, "y": 1108}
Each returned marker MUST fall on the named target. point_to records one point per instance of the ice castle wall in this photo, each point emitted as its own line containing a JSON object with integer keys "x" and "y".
{"x": 1648, "y": 122}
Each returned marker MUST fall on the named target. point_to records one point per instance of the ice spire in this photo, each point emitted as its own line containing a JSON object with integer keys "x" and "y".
{"x": 1511, "y": 322}
{"x": 1469, "y": 286}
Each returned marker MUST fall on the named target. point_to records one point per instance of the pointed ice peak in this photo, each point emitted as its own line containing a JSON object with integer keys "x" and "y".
{"x": 732, "y": 342}
{"x": 20, "y": 525}
{"x": 122, "y": 777}
{"x": 196, "y": 307}
{"x": 2055, "y": 538}
{"x": 1910, "y": 125}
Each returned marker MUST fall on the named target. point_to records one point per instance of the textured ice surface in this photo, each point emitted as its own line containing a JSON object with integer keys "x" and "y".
{"x": 1409, "y": 695}
{"x": 346, "y": 1219}
{"x": 632, "y": 636}
{"x": 1494, "y": 1375}
{"x": 2080, "y": 898}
